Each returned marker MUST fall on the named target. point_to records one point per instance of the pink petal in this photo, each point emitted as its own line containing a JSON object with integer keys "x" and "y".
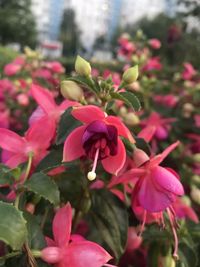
{"x": 122, "y": 129}
{"x": 88, "y": 114}
{"x": 11, "y": 141}
{"x": 37, "y": 114}
{"x": 62, "y": 223}
{"x": 43, "y": 97}
{"x": 41, "y": 132}
{"x": 15, "y": 160}
{"x": 147, "y": 133}
{"x": 167, "y": 180}
{"x": 159, "y": 158}
{"x": 113, "y": 164}
{"x": 67, "y": 103}
{"x": 85, "y": 253}
{"x": 127, "y": 177}
{"x": 73, "y": 148}
{"x": 152, "y": 199}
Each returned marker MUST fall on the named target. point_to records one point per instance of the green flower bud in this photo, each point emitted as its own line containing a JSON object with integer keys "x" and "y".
{"x": 71, "y": 90}
{"x": 196, "y": 157}
{"x": 130, "y": 75}
{"x": 82, "y": 67}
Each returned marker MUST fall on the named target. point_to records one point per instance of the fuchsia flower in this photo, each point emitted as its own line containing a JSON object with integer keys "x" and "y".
{"x": 188, "y": 72}
{"x": 155, "y": 43}
{"x": 156, "y": 189}
{"x": 126, "y": 47}
{"x": 161, "y": 125}
{"x": 11, "y": 69}
{"x": 47, "y": 105}
{"x": 197, "y": 120}
{"x": 152, "y": 64}
{"x": 17, "y": 149}
{"x": 55, "y": 66}
{"x": 169, "y": 100}
{"x": 68, "y": 250}
{"x": 98, "y": 139}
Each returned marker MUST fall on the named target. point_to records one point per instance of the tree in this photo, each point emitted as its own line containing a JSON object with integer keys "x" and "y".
{"x": 17, "y": 22}
{"x": 69, "y": 33}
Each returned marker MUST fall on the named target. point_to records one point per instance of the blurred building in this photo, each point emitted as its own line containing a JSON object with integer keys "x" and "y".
{"x": 41, "y": 11}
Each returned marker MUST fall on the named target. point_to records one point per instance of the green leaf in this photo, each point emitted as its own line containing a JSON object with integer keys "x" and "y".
{"x": 6, "y": 176}
{"x": 52, "y": 160}
{"x": 86, "y": 82}
{"x": 67, "y": 124}
{"x": 111, "y": 219}
{"x": 128, "y": 98}
{"x": 41, "y": 184}
{"x": 35, "y": 236}
{"x": 187, "y": 256}
{"x": 13, "y": 229}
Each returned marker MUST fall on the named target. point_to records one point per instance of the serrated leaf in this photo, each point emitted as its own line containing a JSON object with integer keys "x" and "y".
{"x": 13, "y": 229}
{"x": 36, "y": 238}
{"x": 128, "y": 98}
{"x": 52, "y": 160}
{"x": 110, "y": 217}
{"x": 67, "y": 124}
{"x": 187, "y": 256}
{"x": 41, "y": 184}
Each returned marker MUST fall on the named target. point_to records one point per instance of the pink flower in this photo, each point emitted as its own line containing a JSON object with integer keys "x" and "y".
{"x": 155, "y": 43}
{"x": 156, "y": 189}
{"x": 23, "y": 99}
{"x": 47, "y": 105}
{"x": 152, "y": 64}
{"x": 166, "y": 100}
{"x": 126, "y": 47}
{"x": 159, "y": 125}
{"x": 11, "y": 69}
{"x": 4, "y": 119}
{"x": 97, "y": 139}
{"x": 188, "y": 72}
{"x": 68, "y": 250}
{"x": 55, "y": 67}
{"x": 17, "y": 149}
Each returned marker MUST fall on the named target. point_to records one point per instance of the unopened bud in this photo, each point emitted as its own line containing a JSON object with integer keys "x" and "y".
{"x": 195, "y": 194}
{"x": 51, "y": 254}
{"x": 196, "y": 157}
{"x": 186, "y": 200}
{"x": 30, "y": 207}
{"x": 71, "y": 90}
{"x": 130, "y": 75}
{"x": 167, "y": 261}
{"x": 139, "y": 157}
{"x": 131, "y": 119}
{"x": 82, "y": 66}
{"x": 196, "y": 178}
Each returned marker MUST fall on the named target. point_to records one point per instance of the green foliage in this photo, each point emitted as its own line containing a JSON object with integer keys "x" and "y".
{"x": 110, "y": 217}
{"x": 6, "y": 55}
{"x": 41, "y": 184}
{"x": 69, "y": 33}
{"x": 13, "y": 229}
{"x": 17, "y": 22}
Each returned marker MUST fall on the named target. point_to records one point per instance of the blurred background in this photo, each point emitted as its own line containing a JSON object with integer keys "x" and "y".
{"x": 63, "y": 28}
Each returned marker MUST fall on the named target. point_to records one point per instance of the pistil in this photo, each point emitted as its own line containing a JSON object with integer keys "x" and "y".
{"x": 92, "y": 174}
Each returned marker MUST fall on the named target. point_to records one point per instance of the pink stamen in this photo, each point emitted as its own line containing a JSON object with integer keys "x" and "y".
{"x": 171, "y": 220}
{"x": 95, "y": 160}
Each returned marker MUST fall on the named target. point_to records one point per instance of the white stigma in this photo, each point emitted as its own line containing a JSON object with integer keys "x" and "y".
{"x": 91, "y": 176}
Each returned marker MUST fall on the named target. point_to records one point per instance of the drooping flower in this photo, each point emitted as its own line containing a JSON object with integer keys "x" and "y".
{"x": 11, "y": 69}
{"x": 188, "y": 72}
{"x": 47, "y": 105}
{"x": 155, "y": 43}
{"x": 98, "y": 139}
{"x": 152, "y": 64}
{"x": 161, "y": 125}
{"x": 156, "y": 189}
{"x": 68, "y": 250}
{"x": 17, "y": 149}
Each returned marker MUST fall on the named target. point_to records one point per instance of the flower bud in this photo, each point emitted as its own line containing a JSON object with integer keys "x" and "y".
{"x": 30, "y": 207}
{"x": 82, "y": 67}
{"x": 133, "y": 241}
{"x": 186, "y": 200}
{"x": 195, "y": 194}
{"x": 131, "y": 119}
{"x": 167, "y": 261}
{"x": 71, "y": 90}
{"x": 139, "y": 157}
{"x": 51, "y": 254}
{"x": 196, "y": 157}
{"x": 130, "y": 75}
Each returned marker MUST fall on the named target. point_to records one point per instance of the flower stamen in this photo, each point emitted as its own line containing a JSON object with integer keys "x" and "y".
{"x": 92, "y": 174}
